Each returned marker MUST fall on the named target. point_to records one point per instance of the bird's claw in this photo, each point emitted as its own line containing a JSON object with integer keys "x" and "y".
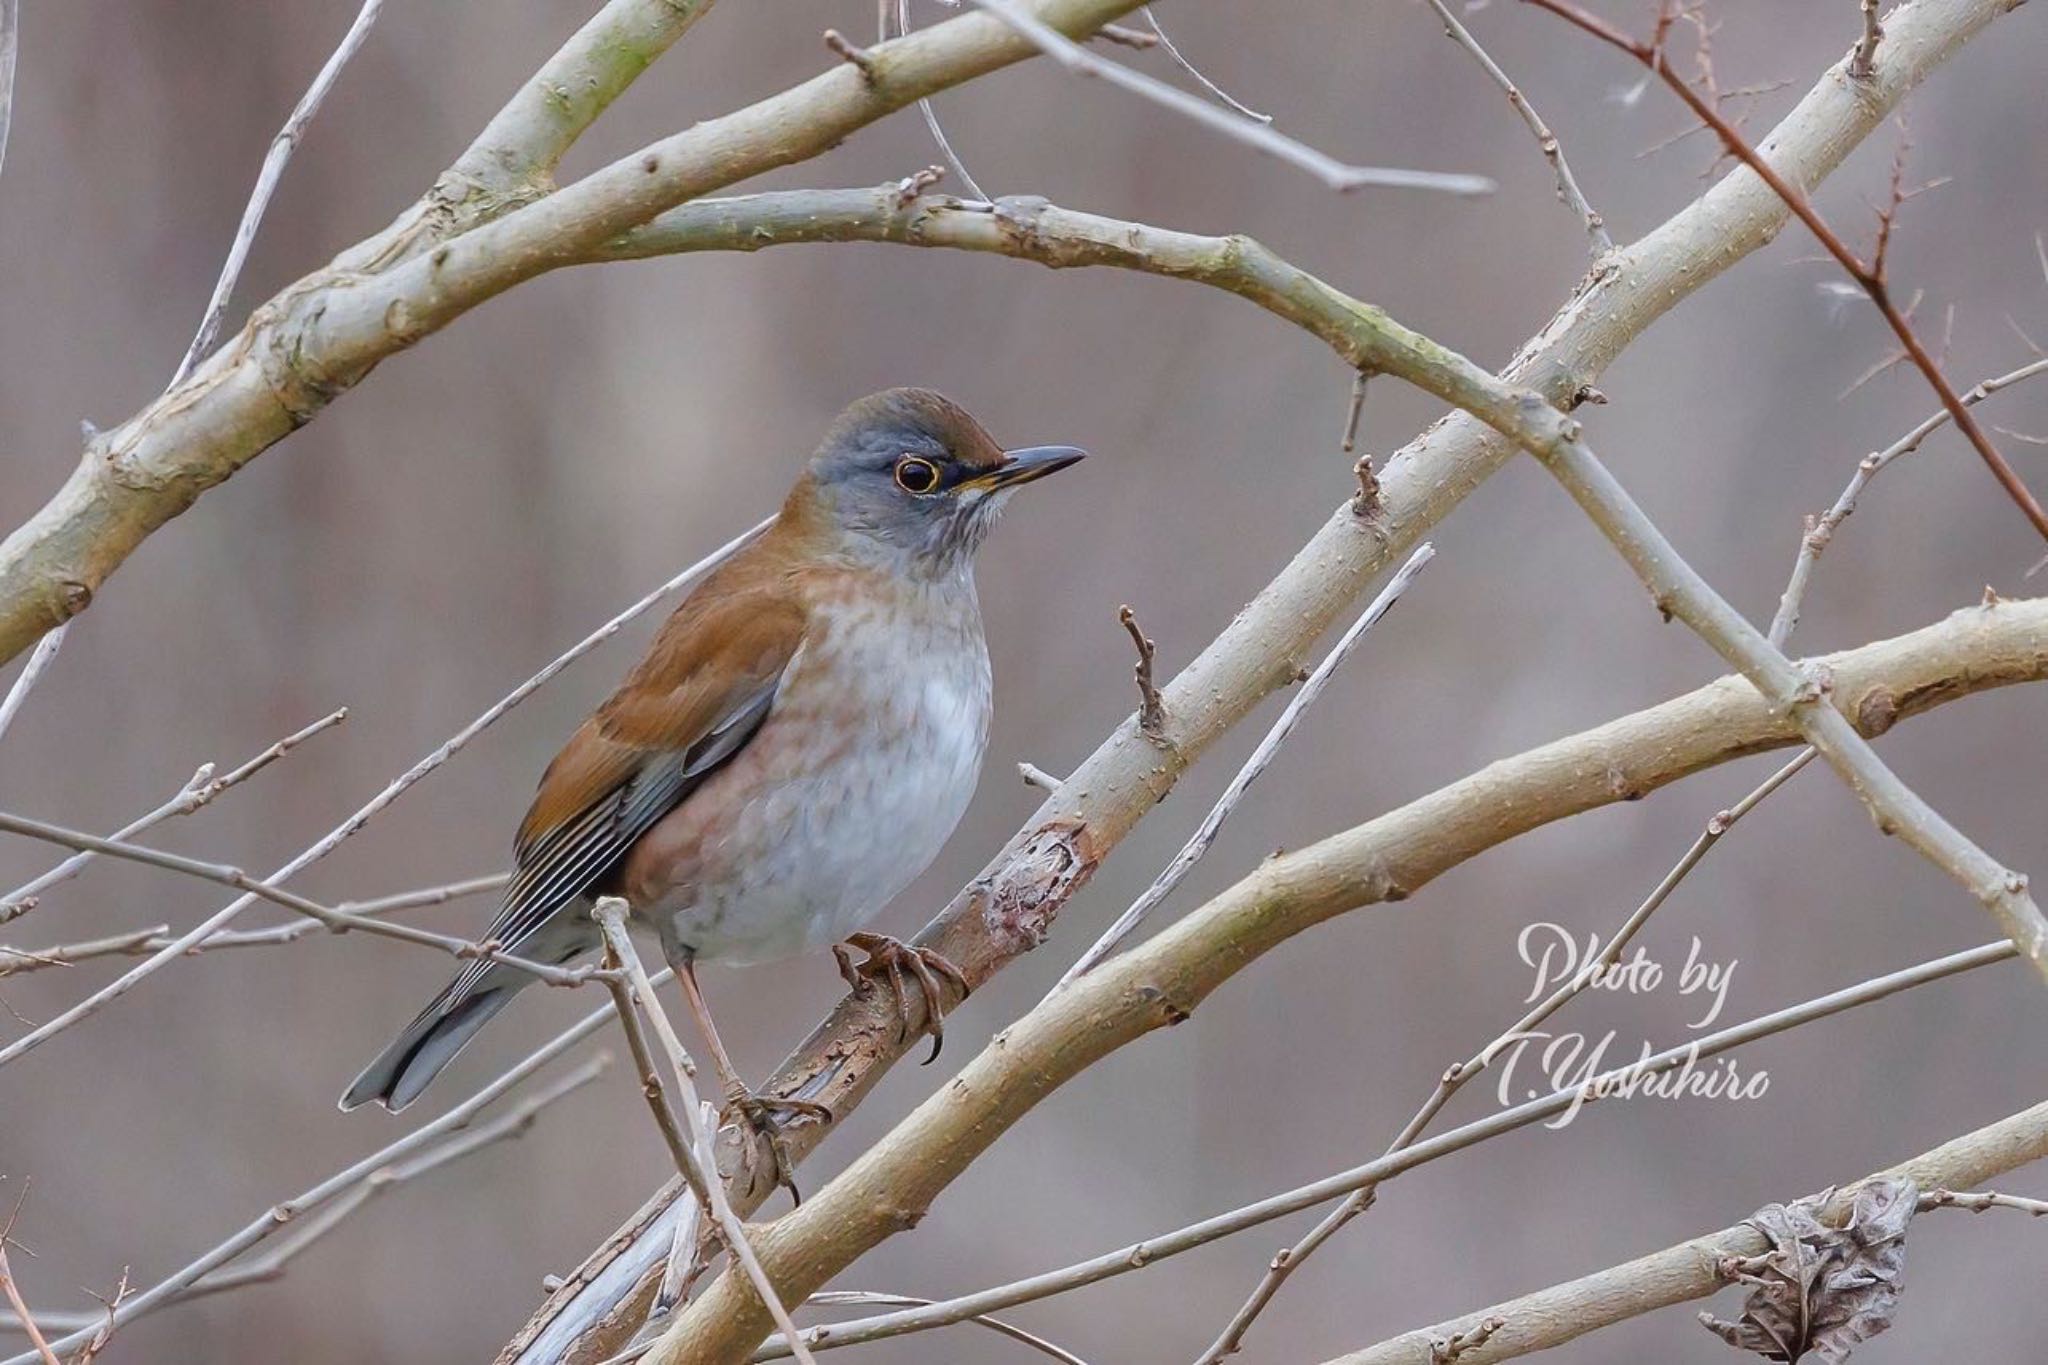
{"x": 891, "y": 958}
{"x": 758, "y": 1113}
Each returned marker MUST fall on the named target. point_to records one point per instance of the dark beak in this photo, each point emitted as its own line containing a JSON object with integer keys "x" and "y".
{"x": 1032, "y": 462}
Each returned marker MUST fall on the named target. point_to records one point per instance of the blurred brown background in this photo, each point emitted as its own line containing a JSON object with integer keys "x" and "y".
{"x": 483, "y": 501}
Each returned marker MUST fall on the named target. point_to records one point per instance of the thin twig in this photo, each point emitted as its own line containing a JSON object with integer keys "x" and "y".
{"x": 1567, "y": 185}
{"x": 1035, "y": 776}
{"x": 1152, "y": 1250}
{"x": 1262, "y": 757}
{"x": 925, "y": 107}
{"x": 1151, "y": 710}
{"x": 1868, "y": 278}
{"x": 1353, "y": 410}
{"x": 514, "y": 1123}
{"x": 339, "y": 921}
{"x": 1982, "y": 1201}
{"x": 23, "y": 1317}
{"x": 1678, "y": 589}
{"x": 46, "y": 648}
{"x": 1336, "y": 174}
{"x": 1863, "y": 61}
{"x": 696, "y": 1159}
{"x": 448, "y": 748}
{"x": 155, "y": 938}
{"x": 281, "y": 148}
{"x": 1289, "y": 1259}
{"x": 199, "y": 790}
{"x": 1222, "y": 95}
{"x": 279, "y": 1216}
{"x": 997, "y": 1325}
{"x": 1820, "y": 530}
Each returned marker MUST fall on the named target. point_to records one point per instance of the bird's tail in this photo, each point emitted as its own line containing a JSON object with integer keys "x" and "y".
{"x": 429, "y": 1043}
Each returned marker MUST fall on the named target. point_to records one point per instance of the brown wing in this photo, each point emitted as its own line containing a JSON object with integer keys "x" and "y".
{"x": 700, "y": 694}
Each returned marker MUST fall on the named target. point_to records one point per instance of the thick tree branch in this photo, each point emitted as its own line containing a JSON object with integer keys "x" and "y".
{"x": 1161, "y": 982}
{"x": 512, "y": 162}
{"x": 1679, "y": 589}
{"x": 323, "y": 334}
{"x": 1010, "y": 906}
{"x": 1554, "y": 1316}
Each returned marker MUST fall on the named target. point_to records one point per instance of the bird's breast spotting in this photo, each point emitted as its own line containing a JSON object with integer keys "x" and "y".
{"x": 864, "y": 766}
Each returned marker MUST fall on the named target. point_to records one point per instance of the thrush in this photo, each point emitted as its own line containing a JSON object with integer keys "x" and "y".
{"x": 796, "y": 746}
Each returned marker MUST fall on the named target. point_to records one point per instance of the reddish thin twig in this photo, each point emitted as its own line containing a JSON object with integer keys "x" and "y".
{"x": 1869, "y": 276}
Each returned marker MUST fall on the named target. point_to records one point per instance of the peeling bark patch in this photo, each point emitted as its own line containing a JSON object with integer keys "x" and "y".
{"x": 1877, "y": 711}
{"x": 1020, "y": 902}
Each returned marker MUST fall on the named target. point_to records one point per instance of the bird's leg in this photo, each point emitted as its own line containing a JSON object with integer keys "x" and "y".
{"x": 756, "y": 1111}
{"x": 892, "y": 957}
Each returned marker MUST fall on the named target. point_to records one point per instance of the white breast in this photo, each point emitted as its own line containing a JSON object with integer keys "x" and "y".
{"x": 858, "y": 777}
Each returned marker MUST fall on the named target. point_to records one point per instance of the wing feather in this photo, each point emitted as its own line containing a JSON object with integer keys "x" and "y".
{"x": 703, "y": 691}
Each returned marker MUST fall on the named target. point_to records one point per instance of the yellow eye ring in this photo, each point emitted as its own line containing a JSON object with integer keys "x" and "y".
{"x": 917, "y": 476}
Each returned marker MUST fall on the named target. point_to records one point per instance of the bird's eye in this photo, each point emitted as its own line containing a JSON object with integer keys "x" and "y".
{"x": 916, "y": 476}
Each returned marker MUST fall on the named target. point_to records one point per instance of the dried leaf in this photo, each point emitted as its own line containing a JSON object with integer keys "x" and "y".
{"x": 1819, "y": 1291}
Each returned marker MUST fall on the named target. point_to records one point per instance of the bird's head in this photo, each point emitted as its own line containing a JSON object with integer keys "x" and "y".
{"x": 910, "y": 474}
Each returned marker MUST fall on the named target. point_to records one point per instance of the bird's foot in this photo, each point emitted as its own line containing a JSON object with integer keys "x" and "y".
{"x": 893, "y": 959}
{"x": 758, "y": 1113}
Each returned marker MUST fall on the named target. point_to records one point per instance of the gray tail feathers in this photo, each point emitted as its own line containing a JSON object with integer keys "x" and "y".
{"x": 429, "y": 1043}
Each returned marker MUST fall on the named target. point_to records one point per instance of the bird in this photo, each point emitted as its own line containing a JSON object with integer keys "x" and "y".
{"x": 797, "y": 744}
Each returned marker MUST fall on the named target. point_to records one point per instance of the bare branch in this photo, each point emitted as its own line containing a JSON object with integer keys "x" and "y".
{"x": 1870, "y": 278}
{"x": 12, "y": 1291}
{"x": 322, "y": 334}
{"x": 1678, "y": 589}
{"x": 1011, "y": 905}
{"x": 1353, "y": 410}
{"x": 281, "y": 148}
{"x": 1218, "y": 92}
{"x": 199, "y": 790}
{"x": 1139, "y": 1255}
{"x": 996, "y": 1325}
{"x": 512, "y": 161}
{"x": 448, "y": 748}
{"x": 1983, "y": 1201}
{"x": 339, "y": 921}
{"x": 514, "y": 1123}
{"x": 1262, "y": 757}
{"x": 32, "y": 671}
{"x": 275, "y": 1219}
{"x": 1289, "y": 1259}
{"x": 1551, "y": 1317}
{"x": 1820, "y": 530}
{"x": 1336, "y": 174}
{"x": 1567, "y": 185}
{"x": 698, "y": 1163}
{"x": 141, "y": 942}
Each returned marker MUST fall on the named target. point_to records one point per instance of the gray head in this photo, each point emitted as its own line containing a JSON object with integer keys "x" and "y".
{"x": 909, "y": 473}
